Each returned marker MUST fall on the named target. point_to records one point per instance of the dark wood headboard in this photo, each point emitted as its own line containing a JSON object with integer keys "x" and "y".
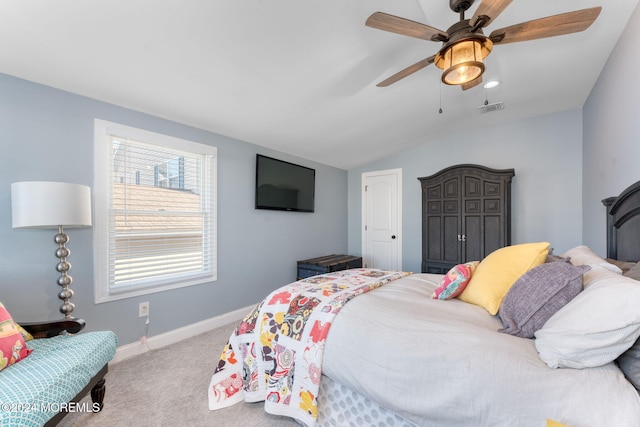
{"x": 623, "y": 224}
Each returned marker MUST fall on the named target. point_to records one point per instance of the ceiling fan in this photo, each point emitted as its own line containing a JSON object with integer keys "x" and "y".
{"x": 464, "y": 45}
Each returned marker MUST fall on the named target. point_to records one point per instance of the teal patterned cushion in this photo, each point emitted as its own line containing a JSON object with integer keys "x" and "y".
{"x": 55, "y": 372}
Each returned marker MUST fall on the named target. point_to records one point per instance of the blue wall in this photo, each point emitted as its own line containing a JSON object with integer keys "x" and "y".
{"x": 47, "y": 134}
{"x": 612, "y": 133}
{"x": 545, "y": 152}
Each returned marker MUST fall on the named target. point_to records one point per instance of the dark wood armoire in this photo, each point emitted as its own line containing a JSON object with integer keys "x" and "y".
{"x": 466, "y": 215}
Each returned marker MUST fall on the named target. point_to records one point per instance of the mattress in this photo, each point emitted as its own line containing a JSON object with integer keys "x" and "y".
{"x": 433, "y": 362}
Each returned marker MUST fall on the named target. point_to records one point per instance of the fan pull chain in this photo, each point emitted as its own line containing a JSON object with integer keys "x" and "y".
{"x": 440, "y": 109}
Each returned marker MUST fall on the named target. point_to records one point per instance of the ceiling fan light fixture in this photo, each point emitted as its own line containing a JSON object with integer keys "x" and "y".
{"x": 464, "y": 43}
{"x": 462, "y": 60}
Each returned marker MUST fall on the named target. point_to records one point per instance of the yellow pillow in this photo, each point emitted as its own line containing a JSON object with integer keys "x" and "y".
{"x": 551, "y": 423}
{"x": 499, "y": 270}
{"x": 25, "y": 334}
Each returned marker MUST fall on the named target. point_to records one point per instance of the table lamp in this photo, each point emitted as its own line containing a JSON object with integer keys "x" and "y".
{"x": 44, "y": 204}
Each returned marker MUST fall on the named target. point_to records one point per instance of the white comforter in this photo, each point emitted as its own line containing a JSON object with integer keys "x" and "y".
{"x": 443, "y": 363}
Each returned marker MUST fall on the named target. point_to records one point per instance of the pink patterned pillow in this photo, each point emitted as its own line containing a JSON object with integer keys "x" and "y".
{"x": 454, "y": 282}
{"x": 12, "y": 345}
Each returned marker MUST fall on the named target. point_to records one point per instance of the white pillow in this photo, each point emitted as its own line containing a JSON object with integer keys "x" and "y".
{"x": 596, "y": 327}
{"x": 583, "y": 255}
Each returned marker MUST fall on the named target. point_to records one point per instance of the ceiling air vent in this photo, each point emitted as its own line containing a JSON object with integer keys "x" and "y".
{"x": 487, "y": 108}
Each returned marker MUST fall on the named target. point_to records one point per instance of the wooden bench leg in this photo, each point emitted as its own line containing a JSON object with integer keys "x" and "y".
{"x": 97, "y": 394}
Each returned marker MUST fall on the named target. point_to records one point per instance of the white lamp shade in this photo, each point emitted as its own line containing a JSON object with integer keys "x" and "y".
{"x": 44, "y": 204}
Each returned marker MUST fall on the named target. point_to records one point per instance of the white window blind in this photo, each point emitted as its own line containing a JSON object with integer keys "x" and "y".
{"x": 161, "y": 215}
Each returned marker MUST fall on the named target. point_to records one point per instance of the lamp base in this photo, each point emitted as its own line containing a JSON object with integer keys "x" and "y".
{"x": 63, "y": 268}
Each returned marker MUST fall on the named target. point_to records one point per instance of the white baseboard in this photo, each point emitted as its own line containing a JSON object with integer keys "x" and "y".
{"x": 128, "y": 350}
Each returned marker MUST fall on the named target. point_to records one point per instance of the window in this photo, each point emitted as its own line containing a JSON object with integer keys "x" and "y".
{"x": 170, "y": 173}
{"x": 154, "y": 211}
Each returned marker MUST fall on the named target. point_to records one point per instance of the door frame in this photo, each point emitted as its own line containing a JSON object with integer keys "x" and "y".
{"x": 398, "y": 173}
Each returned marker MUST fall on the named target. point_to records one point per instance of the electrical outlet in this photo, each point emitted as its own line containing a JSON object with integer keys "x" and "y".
{"x": 143, "y": 309}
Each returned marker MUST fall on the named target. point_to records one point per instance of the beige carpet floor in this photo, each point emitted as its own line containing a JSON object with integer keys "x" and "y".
{"x": 168, "y": 387}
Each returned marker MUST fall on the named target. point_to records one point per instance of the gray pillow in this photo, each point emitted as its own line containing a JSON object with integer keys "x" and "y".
{"x": 557, "y": 258}
{"x": 629, "y": 363}
{"x": 537, "y": 295}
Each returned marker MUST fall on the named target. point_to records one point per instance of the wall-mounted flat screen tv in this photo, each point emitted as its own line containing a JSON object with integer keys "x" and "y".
{"x": 284, "y": 186}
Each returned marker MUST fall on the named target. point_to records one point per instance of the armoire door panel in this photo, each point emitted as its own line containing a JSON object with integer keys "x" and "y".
{"x": 472, "y": 187}
{"x": 492, "y": 206}
{"x": 493, "y": 236}
{"x": 435, "y": 229}
{"x": 473, "y": 235}
{"x": 434, "y": 207}
{"x": 450, "y": 188}
{"x": 450, "y": 242}
{"x": 472, "y": 206}
{"x": 492, "y": 188}
{"x": 450, "y": 207}
{"x": 434, "y": 192}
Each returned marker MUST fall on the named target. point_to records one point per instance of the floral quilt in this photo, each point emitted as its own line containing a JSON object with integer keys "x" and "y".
{"x": 275, "y": 353}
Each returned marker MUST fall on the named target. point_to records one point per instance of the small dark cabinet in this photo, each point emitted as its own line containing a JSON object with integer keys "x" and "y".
{"x": 327, "y": 264}
{"x": 466, "y": 215}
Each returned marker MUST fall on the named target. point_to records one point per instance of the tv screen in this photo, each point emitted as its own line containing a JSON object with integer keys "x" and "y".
{"x": 284, "y": 186}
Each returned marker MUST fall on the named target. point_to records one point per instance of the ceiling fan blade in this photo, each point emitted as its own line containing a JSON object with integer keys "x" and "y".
{"x": 557, "y": 25}
{"x": 473, "y": 83}
{"x": 407, "y": 71}
{"x": 489, "y": 8}
{"x": 395, "y": 24}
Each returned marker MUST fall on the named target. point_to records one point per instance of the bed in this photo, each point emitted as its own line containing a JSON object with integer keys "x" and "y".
{"x": 395, "y": 356}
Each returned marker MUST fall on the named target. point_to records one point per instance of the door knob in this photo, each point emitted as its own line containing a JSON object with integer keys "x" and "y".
{"x": 393, "y": 237}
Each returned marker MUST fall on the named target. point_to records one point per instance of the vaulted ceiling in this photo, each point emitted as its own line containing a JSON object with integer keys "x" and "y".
{"x": 298, "y": 76}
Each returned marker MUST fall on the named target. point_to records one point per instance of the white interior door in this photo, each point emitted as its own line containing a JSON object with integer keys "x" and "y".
{"x": 381, "y": 219}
